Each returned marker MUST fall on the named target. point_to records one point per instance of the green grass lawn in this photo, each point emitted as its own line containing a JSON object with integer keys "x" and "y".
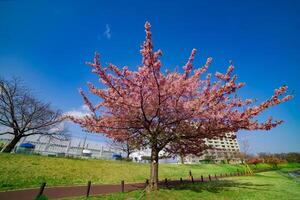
{"x": 26, "y": 171}
{"x": 265, "y": 185}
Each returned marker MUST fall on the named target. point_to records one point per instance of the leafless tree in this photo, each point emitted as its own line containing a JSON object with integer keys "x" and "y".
{"x": 125, "y": 146}
{"x": 22, "y": 115}
{"x": 244, "y": 154}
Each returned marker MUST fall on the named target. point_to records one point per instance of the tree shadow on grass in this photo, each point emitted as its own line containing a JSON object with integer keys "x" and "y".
{"x": 218, "y": 186}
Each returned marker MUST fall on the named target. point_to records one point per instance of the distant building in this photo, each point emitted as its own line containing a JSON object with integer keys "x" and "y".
{"x": 74, "y": 147}
{"x": 143, "y": 156}
{"x": 223, "y": 150}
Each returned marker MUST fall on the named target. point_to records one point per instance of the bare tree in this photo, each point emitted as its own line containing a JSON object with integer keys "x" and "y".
{"x": 244, "y": 154}
{"x": 22, "y": 115}
{"x": 125, "y": 146}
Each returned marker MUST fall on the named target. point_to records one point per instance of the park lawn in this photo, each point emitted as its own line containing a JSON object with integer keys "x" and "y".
{"x": 28, "y": 171}
{"x": 263, "y": 185}
{"x": 25, "y": 171}
{"x": 264, "y": 166}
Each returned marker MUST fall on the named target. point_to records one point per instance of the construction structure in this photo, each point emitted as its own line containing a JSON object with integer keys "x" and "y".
{"x": 73, "y": 147}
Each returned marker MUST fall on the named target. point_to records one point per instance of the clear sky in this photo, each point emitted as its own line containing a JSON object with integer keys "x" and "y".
{"x": 46, "y": 43}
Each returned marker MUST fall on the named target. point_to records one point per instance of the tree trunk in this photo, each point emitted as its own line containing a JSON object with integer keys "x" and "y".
{"x": 128, "y": 151}
{"x": 8, "y": 148}
{"x": 153, "y": 184}
{"x": 182, "y": 159}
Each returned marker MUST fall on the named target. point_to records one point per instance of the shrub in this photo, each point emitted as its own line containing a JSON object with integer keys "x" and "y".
{"x": 274, "y": 161}
{"x": 254, "y": 161}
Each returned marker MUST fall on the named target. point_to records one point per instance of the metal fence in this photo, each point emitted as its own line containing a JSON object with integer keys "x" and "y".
{"x": 71, "y": 148}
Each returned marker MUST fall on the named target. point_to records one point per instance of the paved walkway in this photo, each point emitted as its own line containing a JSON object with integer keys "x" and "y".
{"x": 72, "y": 191}
{"x": 69, "y": 191}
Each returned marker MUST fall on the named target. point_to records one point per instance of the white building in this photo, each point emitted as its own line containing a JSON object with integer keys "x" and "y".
{"x": 143, "y": 156}
{"x": 223, "y": 150}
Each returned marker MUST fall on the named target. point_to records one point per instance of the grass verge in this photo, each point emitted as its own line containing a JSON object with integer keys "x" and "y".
{"x": 262, "y": 186}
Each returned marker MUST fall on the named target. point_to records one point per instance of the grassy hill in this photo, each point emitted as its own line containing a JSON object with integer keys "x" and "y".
{"x": 25, "y": 171}
{"x": 262, "y": 186}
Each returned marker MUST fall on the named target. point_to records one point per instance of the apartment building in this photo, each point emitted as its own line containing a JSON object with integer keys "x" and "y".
{"x": 223, "y": 150}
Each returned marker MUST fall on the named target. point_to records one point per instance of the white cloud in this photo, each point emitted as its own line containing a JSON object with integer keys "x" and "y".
{"x": 81, "y": 112}
{"x": 58, "y": 128}
{"x": 107, "y": 31}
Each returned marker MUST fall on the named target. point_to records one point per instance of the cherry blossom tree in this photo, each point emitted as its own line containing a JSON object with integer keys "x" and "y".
{"x": 274, "y": 161}
{"x": 166, "y": 110}
{"x": 254, "y": 161}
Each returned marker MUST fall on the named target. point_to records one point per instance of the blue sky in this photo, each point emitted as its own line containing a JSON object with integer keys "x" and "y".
{"x": 46, "y": 43}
